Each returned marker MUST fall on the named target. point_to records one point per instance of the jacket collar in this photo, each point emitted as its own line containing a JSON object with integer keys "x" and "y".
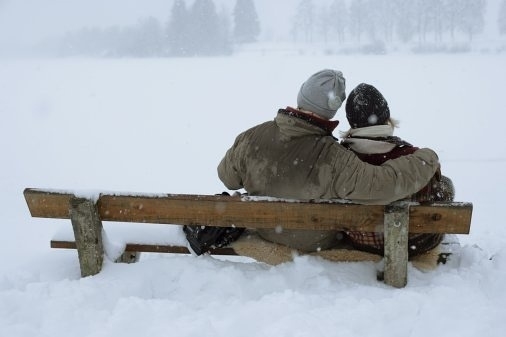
{"x": 326, "y": 125}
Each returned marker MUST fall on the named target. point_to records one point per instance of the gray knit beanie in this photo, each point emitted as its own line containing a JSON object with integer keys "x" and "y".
{"x": 323, "y": 93}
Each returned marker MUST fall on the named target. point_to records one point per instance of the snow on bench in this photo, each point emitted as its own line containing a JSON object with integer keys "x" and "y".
{"x": 87, "y": 211}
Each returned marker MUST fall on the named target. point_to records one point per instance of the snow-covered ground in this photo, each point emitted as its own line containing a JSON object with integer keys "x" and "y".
{"x": 162, "y": 125}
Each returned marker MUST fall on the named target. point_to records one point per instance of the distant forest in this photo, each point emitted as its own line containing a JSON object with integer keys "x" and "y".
{"x": 340, "y": 26}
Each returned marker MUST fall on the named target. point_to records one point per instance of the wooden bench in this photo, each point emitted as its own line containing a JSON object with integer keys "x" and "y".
{"x": 395, "y": 220}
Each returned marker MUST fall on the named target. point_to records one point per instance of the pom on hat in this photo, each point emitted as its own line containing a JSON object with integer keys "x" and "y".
{"x": 366, "y": 106}
{"x": 323, "y": 93}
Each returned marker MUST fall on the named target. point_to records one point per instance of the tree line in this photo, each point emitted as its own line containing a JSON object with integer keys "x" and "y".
{"x": 199, "y": 29}
{"x": 384, "y": 22}
{"x": 371, "y": 25}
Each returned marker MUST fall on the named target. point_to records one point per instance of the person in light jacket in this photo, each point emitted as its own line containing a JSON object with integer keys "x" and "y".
{"x": 371, "y": 139}
{"x": 295, "y": 156}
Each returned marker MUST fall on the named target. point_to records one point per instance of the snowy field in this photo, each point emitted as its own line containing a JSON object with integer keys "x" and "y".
{"x": 163, "y": 125}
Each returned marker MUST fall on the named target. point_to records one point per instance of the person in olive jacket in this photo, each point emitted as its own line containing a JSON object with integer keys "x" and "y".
{"x": 295, "y": 156}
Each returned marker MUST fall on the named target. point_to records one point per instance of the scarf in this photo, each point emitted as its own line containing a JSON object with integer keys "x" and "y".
{"x": 373, "y": 139}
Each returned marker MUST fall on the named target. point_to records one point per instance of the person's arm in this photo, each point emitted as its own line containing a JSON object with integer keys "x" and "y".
{"x": 228, "y": 170}
{"x": 393, "y": 180}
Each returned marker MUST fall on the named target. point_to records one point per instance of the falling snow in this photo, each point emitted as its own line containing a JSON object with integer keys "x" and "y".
{"x": 137, "y": 125}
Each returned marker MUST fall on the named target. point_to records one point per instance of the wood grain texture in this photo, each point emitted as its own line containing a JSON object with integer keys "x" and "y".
{"x": 396, "y": 244}
{"x": 88, "y": 234}
{"x": 237, "y": 211}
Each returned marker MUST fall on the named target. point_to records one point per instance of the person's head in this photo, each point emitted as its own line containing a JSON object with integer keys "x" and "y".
{"x": 366, "y": 106}
{"x": 322, "y": 93}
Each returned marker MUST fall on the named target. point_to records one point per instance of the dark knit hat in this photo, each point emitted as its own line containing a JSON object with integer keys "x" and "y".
{"x": 366, "y": 106}
{"x": 323, "y": 93}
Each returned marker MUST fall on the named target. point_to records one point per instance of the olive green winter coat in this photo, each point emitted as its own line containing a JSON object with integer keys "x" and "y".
{"x": 293, "y": 157}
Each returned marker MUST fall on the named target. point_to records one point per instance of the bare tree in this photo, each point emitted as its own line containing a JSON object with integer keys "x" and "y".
{"x": 357, "y": 19}
{"x": 502, "y": 18}
{"x": 405, "y": 22}
{"x": 339, "y": 18}
{"x": 472, "y": 20}
{"x": 246, "y": 23}
{"x": 304, "y": 21}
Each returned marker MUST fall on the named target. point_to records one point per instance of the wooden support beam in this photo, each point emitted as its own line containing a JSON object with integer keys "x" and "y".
{"x": 396, "y": 230}
{"x": 88, "y": 235}
{"x": 148, "y": 248}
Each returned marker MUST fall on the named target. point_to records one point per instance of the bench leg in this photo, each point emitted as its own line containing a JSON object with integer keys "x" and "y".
{"x": 396, "y": 223}
{"x": 88, "y": 235}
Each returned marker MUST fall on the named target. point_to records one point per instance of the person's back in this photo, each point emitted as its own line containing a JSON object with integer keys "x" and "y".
{"x": 371, "y": 139}
{"x": 283, "y": 158}
{"x": 296, "y": 157}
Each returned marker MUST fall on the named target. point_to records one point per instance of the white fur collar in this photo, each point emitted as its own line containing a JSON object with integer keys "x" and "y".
{"x": 371, "y": 146}
{"x": 373, "y": 131}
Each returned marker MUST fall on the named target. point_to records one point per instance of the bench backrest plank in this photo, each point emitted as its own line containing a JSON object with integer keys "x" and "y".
{"x": 254, "y": 212}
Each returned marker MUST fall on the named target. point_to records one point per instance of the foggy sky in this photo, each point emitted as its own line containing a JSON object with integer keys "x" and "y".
{"x": 27, "y": 22}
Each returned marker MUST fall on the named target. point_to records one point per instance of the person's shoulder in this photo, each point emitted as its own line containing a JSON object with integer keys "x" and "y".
{"x": 405, "y": 149}
{"x": 263, "y": 126}
{"x": 259, "y": 126}
{"x": 334, "y": 145}
{"x": 254, "y": 131}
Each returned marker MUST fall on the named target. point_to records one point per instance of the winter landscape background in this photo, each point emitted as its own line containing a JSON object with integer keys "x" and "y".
{"x": 165, "y": 28}
{"x": 162, "y": 124}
